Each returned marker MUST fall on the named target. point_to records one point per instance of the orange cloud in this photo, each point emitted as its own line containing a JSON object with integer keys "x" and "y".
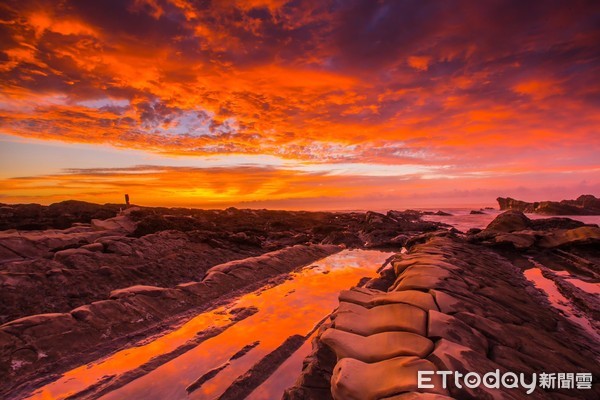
{"x": 420, "y": 63}
{"x": 539, "y": 89}
{"x": 311, "y": 82}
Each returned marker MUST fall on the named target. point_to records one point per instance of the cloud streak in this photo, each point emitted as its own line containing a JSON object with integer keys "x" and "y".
{"x": 458, "y": 88}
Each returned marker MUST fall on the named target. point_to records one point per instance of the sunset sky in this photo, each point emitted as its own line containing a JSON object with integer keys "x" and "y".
{"x": 357, "y": 104}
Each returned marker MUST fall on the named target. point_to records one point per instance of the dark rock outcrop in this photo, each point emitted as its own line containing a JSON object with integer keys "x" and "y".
{"x": 583, "y": 205}
{"x": 55, "y": 216}
{"x": 516, "y": 229}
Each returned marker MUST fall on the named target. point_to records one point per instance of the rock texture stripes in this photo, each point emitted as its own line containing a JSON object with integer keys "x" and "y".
{"x": 33, "y": 343}
{"x": 454, "y": 306}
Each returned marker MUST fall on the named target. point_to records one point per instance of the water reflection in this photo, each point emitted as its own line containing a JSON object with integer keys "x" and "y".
{"x": 558, "y": 301}
{"x": 292, "y": 307}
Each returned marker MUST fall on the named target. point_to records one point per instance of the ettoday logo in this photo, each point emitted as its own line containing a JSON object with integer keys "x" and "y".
{"x": 508, "y": 380}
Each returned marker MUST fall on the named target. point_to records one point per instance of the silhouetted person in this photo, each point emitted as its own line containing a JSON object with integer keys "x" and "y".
{"x": 127, "y": 199}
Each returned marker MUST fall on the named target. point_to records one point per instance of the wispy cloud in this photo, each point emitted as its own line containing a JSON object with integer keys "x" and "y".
{"x": 391, "y": 88}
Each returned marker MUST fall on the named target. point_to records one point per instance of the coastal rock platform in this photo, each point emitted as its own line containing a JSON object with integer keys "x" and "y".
{"x": 462, "y": 304}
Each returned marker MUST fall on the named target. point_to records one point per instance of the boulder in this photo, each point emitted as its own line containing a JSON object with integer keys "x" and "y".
{"x": 509, "y": 221}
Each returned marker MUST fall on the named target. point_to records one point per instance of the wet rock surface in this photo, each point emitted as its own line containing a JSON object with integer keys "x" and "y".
{"x": 453, "y": 302}
{"x": 481, "y": 311}
{"x": 54, "y": 337}
{"x": 100, "y": 276}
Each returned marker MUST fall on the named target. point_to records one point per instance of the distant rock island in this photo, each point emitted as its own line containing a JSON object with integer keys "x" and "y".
{"x": 584, "y": 205}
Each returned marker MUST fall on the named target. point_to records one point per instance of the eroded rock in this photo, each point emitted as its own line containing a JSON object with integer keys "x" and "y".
{"x": 354, "y": 379}
{"x": 376, "y": 347}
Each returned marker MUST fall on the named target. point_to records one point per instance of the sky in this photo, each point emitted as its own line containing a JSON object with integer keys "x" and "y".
{"x": 315, "y": 104}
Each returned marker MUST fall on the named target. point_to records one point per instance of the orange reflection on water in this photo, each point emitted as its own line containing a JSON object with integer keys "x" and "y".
{"x": 558, "y": 300}
{"x": 126, "y": 360}
{"x": 292, "y": 307}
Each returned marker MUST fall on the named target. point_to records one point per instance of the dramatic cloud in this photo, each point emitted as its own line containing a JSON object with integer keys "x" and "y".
{"x": 463, "y": 88}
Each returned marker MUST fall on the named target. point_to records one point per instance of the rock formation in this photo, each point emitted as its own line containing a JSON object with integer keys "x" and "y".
{"x": 55, "y": 216}
{"x": 34, "y": 343}
{"x": 453, "y": 302}
{"x": 73, "y": 294}
{"x": 583, "y": 205}
{"x": 460, "y": 306}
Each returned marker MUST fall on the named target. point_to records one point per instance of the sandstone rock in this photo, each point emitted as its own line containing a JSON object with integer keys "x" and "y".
{"x": 120, "y": 223}
{"x": 365, "y": 299}
{"x": 198, "y": 289}
{"x": 18, "y": 247}
{"x": 413, "y": 297}
{"x": 111, "y": 318}
{"x": 391, "y": 317}
{"x": 56, "y": 216}
{"x": 420, "y": 278}
{"x": 583, "y": 205}
{"x": 353, "y": 379}
{"x": 151, "y": 291}
{"x": 314, "y": 381}
{"x": 577, "y": 236}
{"x": 62, "y": 256}
{"x": 55, "y": 335}
{"x": 443, "y": 326}
{"x": 358, "y": 295}
{"x": 498, "y": 321}
{"x": 221, "y": 282}
{"x": 447, "y": 303}
{"x": 93, "y": 247}
{"x": 509, "y": 221}
{"x": 349, "y": 308}
{"x": 376, "y": 347}
{"x": 521, "y": 240}
{"x": 422, "y": 238}
{"x": 555, "y": 223}
{"x": 407, "y": 261}
{"x": 449, "y": 356}
{"x": 118, "y": 246}
{"x": 517, "y": 205}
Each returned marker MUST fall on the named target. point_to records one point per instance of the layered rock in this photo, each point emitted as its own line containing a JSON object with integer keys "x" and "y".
{"x": 56, "y": 271}
{"x": 583, "y": 205}
{"x": 101, "y": 274}
{"x": 463, "y": 307}
{"x": 32, "y": 344}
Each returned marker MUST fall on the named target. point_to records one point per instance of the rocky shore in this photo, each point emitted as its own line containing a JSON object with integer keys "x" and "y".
{"x": 466, "y": 302}
{"x": 70, "y": 295}
{"x": 462, "y": 303}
